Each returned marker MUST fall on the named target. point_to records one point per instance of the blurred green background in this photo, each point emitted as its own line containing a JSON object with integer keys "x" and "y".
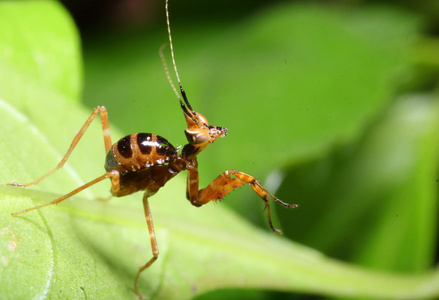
{"x": 333, "y": 105}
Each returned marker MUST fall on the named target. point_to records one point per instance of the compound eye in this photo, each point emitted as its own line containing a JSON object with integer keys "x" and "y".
{"x": 196, "y": 136}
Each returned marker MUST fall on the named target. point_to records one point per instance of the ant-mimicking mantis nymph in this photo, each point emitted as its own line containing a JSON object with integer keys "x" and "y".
{"x": 145, "y": 162}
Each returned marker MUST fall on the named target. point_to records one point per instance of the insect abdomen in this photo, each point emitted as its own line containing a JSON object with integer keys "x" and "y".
{"x": 139, "y": 151}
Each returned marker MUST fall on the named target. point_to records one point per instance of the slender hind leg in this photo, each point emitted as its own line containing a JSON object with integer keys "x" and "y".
{"x": 154, "y": 247}
{"x": 107, "y": 141}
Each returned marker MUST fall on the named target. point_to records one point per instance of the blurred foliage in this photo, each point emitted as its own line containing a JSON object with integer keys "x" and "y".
{"x": 336, "y": 101}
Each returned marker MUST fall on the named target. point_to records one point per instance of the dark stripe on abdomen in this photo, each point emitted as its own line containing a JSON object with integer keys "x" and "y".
{"x": 144, "y": 140}
{"x": 124, "y": 147}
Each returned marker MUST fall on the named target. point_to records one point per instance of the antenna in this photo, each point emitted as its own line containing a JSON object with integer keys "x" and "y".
{"x": 165, "y": 66}
{"x": 183, "y": 93}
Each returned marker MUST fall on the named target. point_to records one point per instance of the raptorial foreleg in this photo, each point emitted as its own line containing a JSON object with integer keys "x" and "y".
{"x": 224, "y": 184}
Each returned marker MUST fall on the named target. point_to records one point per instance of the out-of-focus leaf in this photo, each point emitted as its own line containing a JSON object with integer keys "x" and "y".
{"x": 375, "y": 201}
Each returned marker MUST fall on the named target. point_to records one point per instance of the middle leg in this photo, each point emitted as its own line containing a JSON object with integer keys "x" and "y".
{"x": 153, "y": 240}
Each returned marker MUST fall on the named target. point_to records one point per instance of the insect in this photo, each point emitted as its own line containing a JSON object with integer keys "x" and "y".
{"x": 145, "y": 162}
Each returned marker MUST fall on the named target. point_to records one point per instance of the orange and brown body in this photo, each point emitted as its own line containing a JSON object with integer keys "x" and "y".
{"x": 144, "y": 161}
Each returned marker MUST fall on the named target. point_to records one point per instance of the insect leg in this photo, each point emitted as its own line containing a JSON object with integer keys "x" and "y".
{"x": 224, "y": 184}
{"x": 113, "y": 174}
{"x": 107, "y": 141}
{"x": 155, "y": 249}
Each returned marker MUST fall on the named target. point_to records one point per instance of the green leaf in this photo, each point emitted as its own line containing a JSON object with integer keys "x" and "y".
{"x": 87, "y": 249}
{"x": 38, "y": 57}
{"x": 83, "y": 248}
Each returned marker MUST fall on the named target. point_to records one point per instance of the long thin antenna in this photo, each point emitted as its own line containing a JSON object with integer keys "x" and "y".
{"x": 170, "y": 43}
{"x": 165, "y": 66}
{"x": 183, "y": 93}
